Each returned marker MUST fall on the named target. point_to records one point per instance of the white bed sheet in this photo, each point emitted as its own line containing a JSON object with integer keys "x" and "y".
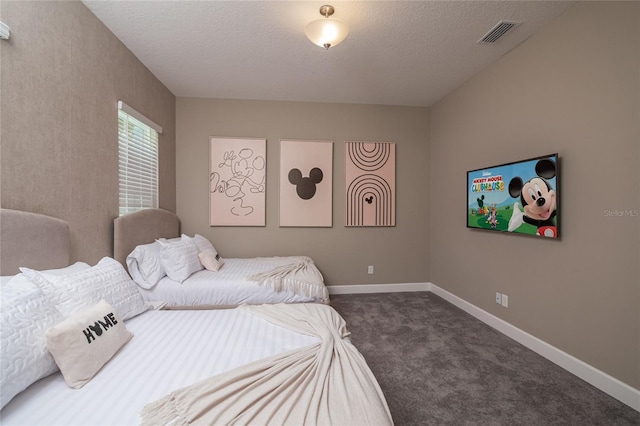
{"x": 228, "y": 286}
{"x": 169, "y": 350}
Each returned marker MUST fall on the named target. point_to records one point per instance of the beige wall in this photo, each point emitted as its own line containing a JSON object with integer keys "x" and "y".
{"x": 573, "y": 88}
{"x": 398, "y": 253}
{"x": 62, "y": 73}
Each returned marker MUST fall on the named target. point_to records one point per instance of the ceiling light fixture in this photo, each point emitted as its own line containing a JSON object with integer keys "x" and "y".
{"x": 326, "y": 32}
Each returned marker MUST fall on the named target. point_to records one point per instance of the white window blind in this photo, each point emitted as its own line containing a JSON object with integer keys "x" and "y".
{"x": 138, "y": 161}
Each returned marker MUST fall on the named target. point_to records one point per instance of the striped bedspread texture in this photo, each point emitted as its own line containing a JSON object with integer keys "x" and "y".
{"x": 326, "y": 383}
{"x": 266, "y": 364}
{"x": 289, "y": 279}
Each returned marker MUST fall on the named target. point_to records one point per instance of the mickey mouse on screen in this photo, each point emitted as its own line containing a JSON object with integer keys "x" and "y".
{"x": 538, "y": 200}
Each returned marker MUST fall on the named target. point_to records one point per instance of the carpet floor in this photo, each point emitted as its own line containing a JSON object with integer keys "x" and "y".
{"x": 438, "y": 365}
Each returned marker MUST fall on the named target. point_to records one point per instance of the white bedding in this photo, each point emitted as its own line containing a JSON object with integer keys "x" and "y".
{"x": 169, "y": 350}
{"x": 228, "y": 286}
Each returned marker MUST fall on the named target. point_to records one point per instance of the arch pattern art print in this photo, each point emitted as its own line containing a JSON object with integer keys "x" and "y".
{"x": 237, "y": 182}
{"x": 370, "y": 184}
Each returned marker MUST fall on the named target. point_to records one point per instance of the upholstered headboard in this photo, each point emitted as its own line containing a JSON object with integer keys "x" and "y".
{"x": 33, "y": 240}
{"x": 142, "y": 227}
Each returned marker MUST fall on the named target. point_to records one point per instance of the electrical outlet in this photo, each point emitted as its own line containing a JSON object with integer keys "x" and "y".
{"x": 370, "y": 270}
{"x": 505, "y": 300}
{"x": 498, "y": 298}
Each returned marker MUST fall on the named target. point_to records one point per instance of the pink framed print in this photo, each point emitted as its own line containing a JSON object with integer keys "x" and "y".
{"x": 237, "y": 181}
{"x": 306, "y": 181}
{"x": 370, "y": 170}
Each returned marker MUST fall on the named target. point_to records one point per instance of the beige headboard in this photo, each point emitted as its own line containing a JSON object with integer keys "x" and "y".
{"x": 33, "y": 240}
{"x": 142, "y": 227}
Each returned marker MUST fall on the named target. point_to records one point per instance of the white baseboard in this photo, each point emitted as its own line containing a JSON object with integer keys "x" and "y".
{"x": 606, "y": 383}
{"x": 377, "y": 288}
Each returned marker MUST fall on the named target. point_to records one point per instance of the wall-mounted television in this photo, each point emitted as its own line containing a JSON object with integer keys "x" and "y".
{"x": 519, "y": 197}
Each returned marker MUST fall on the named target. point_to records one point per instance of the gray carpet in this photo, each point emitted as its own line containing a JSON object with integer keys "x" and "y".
{"x": 438, "y": 365}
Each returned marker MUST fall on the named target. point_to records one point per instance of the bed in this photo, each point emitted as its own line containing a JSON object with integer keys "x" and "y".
{"x": 139, "y": 238}
{"x": 268, "y": 364}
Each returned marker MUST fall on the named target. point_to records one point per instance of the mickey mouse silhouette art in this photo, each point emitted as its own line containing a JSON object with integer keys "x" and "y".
{"x": 96, "y": 328}
{"x": 538, "y": 199}
{"x": 305, "y": 186}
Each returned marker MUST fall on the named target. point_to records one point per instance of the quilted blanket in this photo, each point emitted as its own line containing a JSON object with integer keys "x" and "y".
{"x": 301, "y": 276}
{"x": 327, "y": 383}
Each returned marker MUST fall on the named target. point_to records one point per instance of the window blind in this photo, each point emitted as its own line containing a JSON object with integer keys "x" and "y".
{"x": 138, "y": 164}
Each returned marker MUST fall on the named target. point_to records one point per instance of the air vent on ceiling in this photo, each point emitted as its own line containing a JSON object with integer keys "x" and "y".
{"x": 500, "y": 29}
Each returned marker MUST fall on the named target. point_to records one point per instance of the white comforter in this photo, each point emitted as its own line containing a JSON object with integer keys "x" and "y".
{"x": 326, "y": 383}
{"x": 228, "y": 286}
{"x": 169, "y": 350}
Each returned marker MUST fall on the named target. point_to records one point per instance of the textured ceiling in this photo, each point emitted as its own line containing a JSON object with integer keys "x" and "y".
{"x": 397, "y": 52}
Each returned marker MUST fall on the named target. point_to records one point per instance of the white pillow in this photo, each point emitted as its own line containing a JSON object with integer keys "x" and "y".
{"x": 107, "y": 280}
{"x": 211, "y": 260}
{"x": 5, "y": 279}
{"x": 145, "y": 265}
{"x": 201, "y": 242}
{"x": 16, "y": 285}
{"x": 24, "y": 357}
{"x": 83, "y": 343}
{"x": 208, "y": 255}
{"x": 76, "y": 267}
{"x": 179, "y": 258}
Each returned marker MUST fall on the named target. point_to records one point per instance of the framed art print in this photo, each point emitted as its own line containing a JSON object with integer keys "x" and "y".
{"x": 306, "y": 181}
{"x": 237, "y": 181}
{"x": 370, "y": 172}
